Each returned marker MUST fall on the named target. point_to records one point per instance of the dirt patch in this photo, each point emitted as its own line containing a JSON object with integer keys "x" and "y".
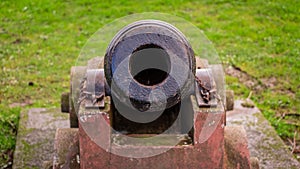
{"x": 8, "y": 154}
{"x": 17, "y": 41}
{"x": 270, "y": 82}
{"x": 248, "y": 80}
{"x": 255, "y": 84}
{"x": 21, "y": 104}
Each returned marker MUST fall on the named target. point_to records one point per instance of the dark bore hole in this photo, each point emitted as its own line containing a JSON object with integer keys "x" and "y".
{"x": 150, "y": 65}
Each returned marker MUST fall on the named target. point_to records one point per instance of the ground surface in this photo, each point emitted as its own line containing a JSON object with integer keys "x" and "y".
{"x": 259, "y": 42}
{"x": 35, "y": 143}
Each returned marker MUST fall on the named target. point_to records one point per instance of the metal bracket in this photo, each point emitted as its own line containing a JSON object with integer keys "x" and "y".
{"x": 205, "y": 88}
{"x": 95, "y": 88}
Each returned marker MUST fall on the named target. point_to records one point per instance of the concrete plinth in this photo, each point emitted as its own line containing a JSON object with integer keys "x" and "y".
{"x": 37, "y": 127}
{"x": 35, "y": 140}
{"x": 263, "y": 141}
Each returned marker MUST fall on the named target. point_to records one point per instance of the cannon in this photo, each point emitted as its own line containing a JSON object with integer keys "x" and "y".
{"x": 148, "y": 103}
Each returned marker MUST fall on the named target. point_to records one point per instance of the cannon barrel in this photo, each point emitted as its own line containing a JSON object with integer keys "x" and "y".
{"x": 149, "y": 56}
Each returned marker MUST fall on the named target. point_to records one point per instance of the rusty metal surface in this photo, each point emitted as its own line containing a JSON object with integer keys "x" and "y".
{"x": 151, "y": 140}
{"x": 94, "y": 91}
{"x": 66, "y": 148}
{"x": 76, "y": 78}
{"x": 93, "y": 132}
{"x": 205, "y": 88}
{"x": 236, "y": 154}
{"x": 198, "y": 154}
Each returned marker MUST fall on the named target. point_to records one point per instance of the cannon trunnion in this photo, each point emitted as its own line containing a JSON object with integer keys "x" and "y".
{"x": 149, "y": 103}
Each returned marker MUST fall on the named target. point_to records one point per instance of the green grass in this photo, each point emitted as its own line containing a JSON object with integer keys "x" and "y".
{"x": 40, "y": 41}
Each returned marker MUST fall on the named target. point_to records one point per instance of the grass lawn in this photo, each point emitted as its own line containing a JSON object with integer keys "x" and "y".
{"x": 40, "y": 41}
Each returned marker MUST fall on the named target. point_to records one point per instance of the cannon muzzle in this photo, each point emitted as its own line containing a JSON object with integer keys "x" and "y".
{"x": 145, "y": 59}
